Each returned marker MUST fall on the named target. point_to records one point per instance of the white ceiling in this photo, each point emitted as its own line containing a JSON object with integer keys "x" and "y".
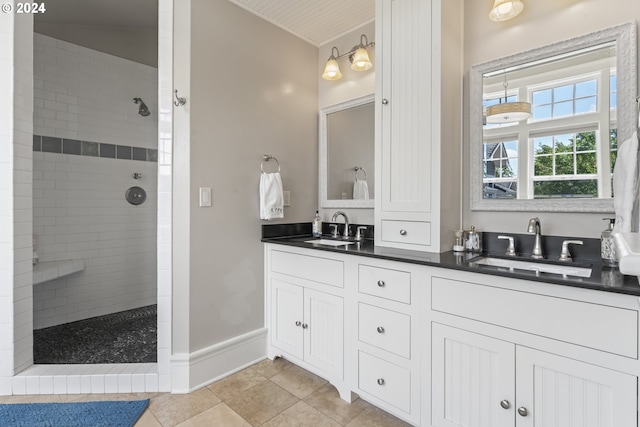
{"x": 316, "y": 21}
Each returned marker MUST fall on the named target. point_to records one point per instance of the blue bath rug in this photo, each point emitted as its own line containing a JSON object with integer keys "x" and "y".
{"x": 72, "y": 414}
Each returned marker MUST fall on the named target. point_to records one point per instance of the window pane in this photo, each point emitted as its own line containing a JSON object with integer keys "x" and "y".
{"x": 543, "y": 145}
{"x": 570, "y": 188}
{"x": 543, "y": 166}
{"x": 563, "y": 93}
{"x": 500, "y": 190}
{"x": 541, "y": 113}
{"x": 586, "y": 105}
{"x": 613, "y": 140}
{"x": 564, "y": 143}
{"x": 564, "y": 164}
{"x": 562, "y": 109}
{"x": 585, "y": 89}
{"x": 542, "y": 97}
{"x": 585, "y": 141}
{"x": 586, "y": 163}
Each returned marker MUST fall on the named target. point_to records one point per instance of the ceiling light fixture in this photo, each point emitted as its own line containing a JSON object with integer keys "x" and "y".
{"x": 508, "y": 112}
{"x": 358, "y": 56}
{"x": 503, "y": 10}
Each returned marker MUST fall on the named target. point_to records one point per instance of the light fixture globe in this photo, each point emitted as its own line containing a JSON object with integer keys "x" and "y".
{"x": 361, "y": 61}
{"x": 503, "y": 10}
{"x": 508, "y": 112}
{"x": 332, "y": 70}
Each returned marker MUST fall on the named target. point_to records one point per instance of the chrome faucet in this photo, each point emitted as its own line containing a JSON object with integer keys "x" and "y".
{"x": 534, "y": 227}
{"x": 345, "y": 233}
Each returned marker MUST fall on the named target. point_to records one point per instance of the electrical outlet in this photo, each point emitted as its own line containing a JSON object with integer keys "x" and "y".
{"x": 344, "y": 196}
{"x": 286, "y": 195}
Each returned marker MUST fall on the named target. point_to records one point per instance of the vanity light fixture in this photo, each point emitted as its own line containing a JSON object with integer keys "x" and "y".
{"x": 358, "y": 56}
{"x": 508, "y": 112}
{"x": 503, "y": 10}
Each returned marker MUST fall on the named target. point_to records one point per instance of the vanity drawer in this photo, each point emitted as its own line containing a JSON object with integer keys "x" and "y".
{"x": 385, "y": 329}
{"x": 317, "y": 269}
{"x": 385, "y": 283}
{"x": 408, "y": 232}
{"x": 384, "y": 380}
{"x": 597, "y": 326}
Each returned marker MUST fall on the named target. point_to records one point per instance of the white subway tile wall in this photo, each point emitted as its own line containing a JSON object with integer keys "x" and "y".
{"x": 88, "y": 131}
{"x": 83, "y": 94}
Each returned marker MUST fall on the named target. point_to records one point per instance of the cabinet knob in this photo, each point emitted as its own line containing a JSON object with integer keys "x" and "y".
{"x": 523, "y": 411}
{"x": 385, "y": 101}
{"x": 298, "y": 323}
{"x": 380, "y": 381}
{"x": 381, "y": 283}
{"x": 380, "y": 330}
{"x": 505, "y": 404}
{"x": 403, "y": 232}
{"x": 305, "y": 326}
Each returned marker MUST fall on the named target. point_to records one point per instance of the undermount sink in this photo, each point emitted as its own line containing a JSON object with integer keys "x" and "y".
{"x": 329, "y": 242}
{"x": 537, "y": 267}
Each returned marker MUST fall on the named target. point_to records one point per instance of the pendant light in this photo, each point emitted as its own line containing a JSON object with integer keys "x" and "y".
{"x": 503, "y": 10}
{"x": 508, "y": 112}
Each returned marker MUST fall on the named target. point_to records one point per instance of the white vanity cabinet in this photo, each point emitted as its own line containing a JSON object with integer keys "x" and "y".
{"x": 418, "y": 122}
{"x": 305, "y": 311}
{"x": 386, "y": 351}
{"x": 529, "y": 355}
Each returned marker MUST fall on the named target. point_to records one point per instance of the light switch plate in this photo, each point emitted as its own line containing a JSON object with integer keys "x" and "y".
{"x": 205, "y": 197}
{"x": 286, "y": 196}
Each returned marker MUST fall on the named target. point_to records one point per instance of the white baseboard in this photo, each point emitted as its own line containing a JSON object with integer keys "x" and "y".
{"x": 192, "y": 371}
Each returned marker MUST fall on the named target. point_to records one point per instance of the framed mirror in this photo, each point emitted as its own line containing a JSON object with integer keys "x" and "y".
{"x": 346, "y": 154}
{"x": 545, "y": 124}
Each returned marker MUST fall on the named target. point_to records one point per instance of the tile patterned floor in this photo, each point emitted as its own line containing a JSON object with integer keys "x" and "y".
{"x": 267, "y": 394}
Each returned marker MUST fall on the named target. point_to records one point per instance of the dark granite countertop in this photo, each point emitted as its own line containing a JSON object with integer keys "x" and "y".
{"x": 602, "y": 278}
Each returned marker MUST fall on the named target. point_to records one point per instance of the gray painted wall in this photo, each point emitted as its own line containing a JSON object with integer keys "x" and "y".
{"x": 542, "y": 22}
{"x": 254, "y": 91}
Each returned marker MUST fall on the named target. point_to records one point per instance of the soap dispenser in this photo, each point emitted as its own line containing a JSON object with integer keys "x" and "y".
{"x": 316, "y": 226}
{"x": 607, "y": 245}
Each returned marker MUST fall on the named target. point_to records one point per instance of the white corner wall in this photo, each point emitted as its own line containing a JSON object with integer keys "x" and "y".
{"x": 84, "y": 96}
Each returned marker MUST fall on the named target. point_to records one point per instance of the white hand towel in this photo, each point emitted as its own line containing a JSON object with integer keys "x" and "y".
{"x": 625, "y": 181}
{"x": 360, "y": 190}
{"x": 271, "y": 198}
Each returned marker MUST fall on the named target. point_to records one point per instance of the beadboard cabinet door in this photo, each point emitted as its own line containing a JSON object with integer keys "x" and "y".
{"x": 557, "y": 391}
{"x": 324, "y": 334}
{"x": 288, "y": 314}
{"x": 473, "y": 379}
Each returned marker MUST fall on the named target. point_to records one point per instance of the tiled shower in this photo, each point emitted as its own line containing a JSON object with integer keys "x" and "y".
{"x": 90, "y": 146}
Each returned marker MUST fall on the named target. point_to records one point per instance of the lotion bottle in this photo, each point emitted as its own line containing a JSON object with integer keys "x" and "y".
{"x": 316, "y": 226}
{"x": 607, "y": 245}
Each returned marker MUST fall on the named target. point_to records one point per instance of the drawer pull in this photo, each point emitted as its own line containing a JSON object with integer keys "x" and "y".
{"x": 523, "y": 411}
{"x": 385, "y": 101}
{"x": 305, "y": 326}
{"x": 403, "y": 232}
{"x": 298, "y": 323}
{"x": 380, "y": 330}
{"x": 505, "y": 404}
{"x": 380, "y": 381}
{"x": 381, "y": 283}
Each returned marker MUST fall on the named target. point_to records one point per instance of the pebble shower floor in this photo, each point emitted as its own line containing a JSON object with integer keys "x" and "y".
{"x": 125, "y": 337}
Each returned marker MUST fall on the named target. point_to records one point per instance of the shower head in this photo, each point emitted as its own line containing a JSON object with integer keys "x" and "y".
{"x": 143, "y": 110}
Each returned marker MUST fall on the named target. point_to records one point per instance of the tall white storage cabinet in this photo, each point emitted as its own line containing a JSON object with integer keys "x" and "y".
{"x": 418, "y": 122}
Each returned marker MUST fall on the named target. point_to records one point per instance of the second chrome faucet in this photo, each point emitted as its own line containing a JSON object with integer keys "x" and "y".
{"x": 345, "y": 234}
{"x": 534, "y": 227}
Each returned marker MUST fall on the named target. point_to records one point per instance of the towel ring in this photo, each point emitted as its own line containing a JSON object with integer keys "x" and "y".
{"x": 358, "y": 169}
{"x": 266, "y": 158}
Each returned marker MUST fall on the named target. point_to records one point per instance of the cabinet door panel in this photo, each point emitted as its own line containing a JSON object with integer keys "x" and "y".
{"x": 324, "y": 337}
{"x": 287, "y": 306}
{"x": 406, "y": 74}
{"x": 472, "y": 374}
{"x": 562, "y": 392}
